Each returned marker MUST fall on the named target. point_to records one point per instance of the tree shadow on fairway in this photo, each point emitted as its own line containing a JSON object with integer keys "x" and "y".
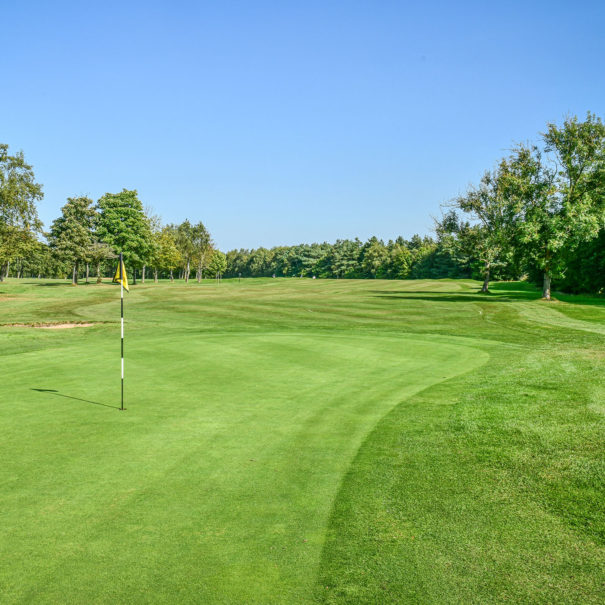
{"x": 501, "y": 292}
{"x": 462, "y": 297}
{"x": 66, "y": 284}
{"x": 55, "y": 392}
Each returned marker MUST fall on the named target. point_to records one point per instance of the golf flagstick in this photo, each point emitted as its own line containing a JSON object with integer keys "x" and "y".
{"x": 122, "y": 333}
{"x": 121, "y": 277}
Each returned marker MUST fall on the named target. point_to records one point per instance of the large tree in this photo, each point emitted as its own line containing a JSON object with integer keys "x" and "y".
{"x": 122, "y": 224}
{"x": 494, "y": 215}
{"x": 561, "y": 192}
{"x": 71, "y": 235}
{"x": 19, "y": 194}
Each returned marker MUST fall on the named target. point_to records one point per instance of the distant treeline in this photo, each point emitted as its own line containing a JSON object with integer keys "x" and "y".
{"x": 88, "y": 236}
{"x": 443, "y": 256}
{"x": 538, "y": 214}
{"x": 416, "y": 258}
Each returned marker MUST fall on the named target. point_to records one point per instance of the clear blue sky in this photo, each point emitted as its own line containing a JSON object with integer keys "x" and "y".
{"x": 287, "y": 122}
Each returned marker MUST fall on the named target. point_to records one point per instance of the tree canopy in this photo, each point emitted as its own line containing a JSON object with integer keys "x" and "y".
{"x": 122, "y": 224}
{"x": 71, "y": 235}
{"x": 19, "y": 194}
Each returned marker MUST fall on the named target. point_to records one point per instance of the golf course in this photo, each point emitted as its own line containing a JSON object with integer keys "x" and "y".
{"x": 301, "y": 441}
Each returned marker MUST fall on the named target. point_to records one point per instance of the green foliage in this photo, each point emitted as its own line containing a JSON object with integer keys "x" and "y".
{"x": 218, "y": 263}
{"x": 167, "y": 256}
{"x": 184, "y": 239}
{"x": 494, "y": 216}
{"x": 344, "y": 258}
{"x": 374, "y": 257}
{"x": 585, "y": 267}
{"x": 71, "y": 235}
{"x": 122, "y": 224}
{"x": 19, "y": 194}
{"x": 561, "y": 206}
{"x": 202, "y": 248}
{"x": 399, "y": 259}
{"x": 98, "y": 253}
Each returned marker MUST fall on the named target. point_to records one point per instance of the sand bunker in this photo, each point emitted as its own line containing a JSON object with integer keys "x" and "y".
{"x": 61, "y": 326}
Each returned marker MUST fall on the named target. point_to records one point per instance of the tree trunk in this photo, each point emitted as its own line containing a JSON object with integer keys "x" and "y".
{"x": 134, "y": 277}
{"x": 155, "y": 276}
{"x": 143, "y": 274}
{"x": 74, "y": 275}
{"x": 171, "y": 276}
{"x": 99, "y": 280}
{"x": 3, "y": 271}
{"x": 546, "y": 286}
{"x": 485, "y": 287}
{"x": 87, "y": 271}
{"x": 187, "y": 273}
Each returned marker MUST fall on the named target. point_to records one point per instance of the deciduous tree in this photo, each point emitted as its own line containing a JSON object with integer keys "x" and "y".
{"x": 19, "y": 194}
{"x": 560, "y": 189}
{"x": 494, "y": 215}
{"x": 218, "y": 263}
{"x": 122, "y": 224}
{"x": 168, "y": 255}
{"x": 202, "y": 248}
{"x": 71, "y": 235}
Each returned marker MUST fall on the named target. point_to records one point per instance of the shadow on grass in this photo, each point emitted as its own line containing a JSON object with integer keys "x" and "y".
{"x": 469, "y": 298}
{"x": 496, "y": 294}
{"x": 55, "y": 392}
{"x": 51, "y": 284}
{"x": 501, "y": 292}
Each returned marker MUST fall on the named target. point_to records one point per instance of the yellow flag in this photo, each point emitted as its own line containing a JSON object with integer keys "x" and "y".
{"x": 120, "y": 277}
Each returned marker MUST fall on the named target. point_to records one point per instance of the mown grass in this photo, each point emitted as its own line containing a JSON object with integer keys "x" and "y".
{"x": 298, "y": 441}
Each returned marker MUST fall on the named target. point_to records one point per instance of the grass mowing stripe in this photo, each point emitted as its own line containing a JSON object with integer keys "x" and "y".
{"x": 476, "y": 491}
{"x": 268, "y": 439}
{"x": 240, "y": 451}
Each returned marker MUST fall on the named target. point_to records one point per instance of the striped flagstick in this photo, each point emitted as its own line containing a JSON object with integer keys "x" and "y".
{"x": 122, "y": 331}
{"x": 122, "y": 278}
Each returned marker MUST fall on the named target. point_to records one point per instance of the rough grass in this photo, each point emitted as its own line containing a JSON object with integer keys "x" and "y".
{"x": 298, "y": 441}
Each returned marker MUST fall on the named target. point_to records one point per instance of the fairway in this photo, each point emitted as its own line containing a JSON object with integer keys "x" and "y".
{"x": 299, "y": 441}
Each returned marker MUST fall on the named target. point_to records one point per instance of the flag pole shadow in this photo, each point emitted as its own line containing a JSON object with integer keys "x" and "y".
{"x": 55, "y": 392}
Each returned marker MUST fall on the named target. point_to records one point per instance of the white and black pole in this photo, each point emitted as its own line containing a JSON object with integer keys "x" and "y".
{"x": 122, "y": 326}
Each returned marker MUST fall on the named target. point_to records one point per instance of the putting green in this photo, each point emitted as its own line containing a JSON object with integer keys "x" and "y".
{"x": 216, "y": 484}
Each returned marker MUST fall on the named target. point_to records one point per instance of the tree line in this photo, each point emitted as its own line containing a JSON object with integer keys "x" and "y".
{"x": 539, "y": 213}
{"x": 90, "y": 235}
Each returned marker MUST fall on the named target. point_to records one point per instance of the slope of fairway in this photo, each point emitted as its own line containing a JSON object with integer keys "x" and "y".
{"x": 290, "y": 441}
